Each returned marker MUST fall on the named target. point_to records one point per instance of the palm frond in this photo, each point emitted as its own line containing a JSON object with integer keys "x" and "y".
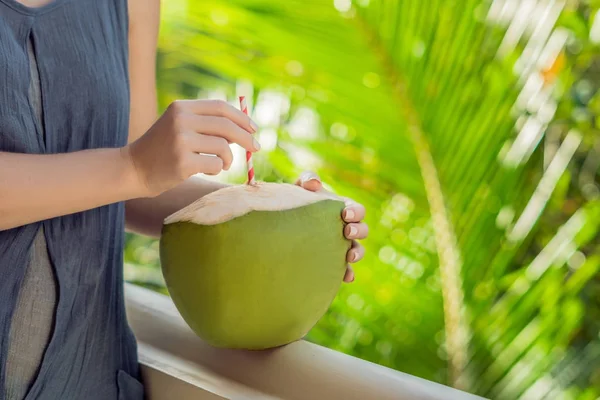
{"x": 464, "y": 128}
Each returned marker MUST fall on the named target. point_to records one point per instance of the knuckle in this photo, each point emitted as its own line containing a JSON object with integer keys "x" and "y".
{"x": 222, "y": 143}
{"x": 220, "y": 106}
{"x": 227, "y": 159}
{"x": 213, "y": 165}
{"x": 239, "y": 136}
{"x": 227, "y": 129}
{"x": 217, "y": 165}
{"x": 179, "y": 120}
{"x": 227, "y": 125}
{"x": 233, "y": 126}
{"x": 176, "y": 106}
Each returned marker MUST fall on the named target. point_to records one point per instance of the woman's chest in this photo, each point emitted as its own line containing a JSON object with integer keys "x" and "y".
{"x": 80, "y": 52}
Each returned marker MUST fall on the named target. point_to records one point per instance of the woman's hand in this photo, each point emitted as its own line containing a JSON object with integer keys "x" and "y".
{"x": 353, "y": 214}
{"x": 191, "y": 137}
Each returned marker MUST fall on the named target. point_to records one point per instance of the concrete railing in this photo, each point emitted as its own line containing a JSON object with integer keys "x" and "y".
{"x": 177, "y": 365}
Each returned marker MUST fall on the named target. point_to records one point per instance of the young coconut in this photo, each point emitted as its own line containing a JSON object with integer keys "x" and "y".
{"x": 255, "y": 267}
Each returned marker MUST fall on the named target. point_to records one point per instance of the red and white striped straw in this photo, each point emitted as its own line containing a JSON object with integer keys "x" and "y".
{"x": 251, "y": 180}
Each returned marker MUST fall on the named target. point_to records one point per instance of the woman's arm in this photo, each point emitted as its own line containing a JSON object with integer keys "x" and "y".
{"x": 191, "y": 137}
{"x": 37, "y": 187}
{"x": 146, "y": 215}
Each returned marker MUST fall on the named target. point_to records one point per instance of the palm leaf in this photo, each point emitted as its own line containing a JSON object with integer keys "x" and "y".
{"x": 440, "y": 119}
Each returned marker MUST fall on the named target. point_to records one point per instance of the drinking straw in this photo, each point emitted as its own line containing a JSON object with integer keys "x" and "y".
{"x": 251, "y": 180}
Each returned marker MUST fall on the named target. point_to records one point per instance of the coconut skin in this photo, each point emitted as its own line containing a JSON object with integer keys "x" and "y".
{"x": 257, "y": 280}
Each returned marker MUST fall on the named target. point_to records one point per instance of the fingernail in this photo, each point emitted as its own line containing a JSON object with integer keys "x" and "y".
{"x": 256, "y": 144}
{"x": 352, "y": 279}
{"x": 349, "y": 214}
{"x": 309, "y": 176}
{"x": 253, "y": 126}
{"x": 353, "y": 231}
{"x": 354, "y": 256}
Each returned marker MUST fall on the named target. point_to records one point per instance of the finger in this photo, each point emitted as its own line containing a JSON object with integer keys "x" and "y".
{"x": 226, "y": 129}
{"x": 349, "y": 275}
{"x": 354, "y": 213}
{"x": 210, "y": 145}
{"x": 310, "y": 181}
{"x": 209, "y": 165}
{"x": 356, "y": 231}
{"x": 219, "y": 108}
{"x": 356, "y": 253}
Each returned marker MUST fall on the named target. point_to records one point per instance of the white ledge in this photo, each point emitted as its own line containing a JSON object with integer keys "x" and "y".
{"x": 176, "y": 364}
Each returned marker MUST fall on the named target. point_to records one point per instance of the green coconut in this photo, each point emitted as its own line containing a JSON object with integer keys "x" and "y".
{"x": 255, "y": 267}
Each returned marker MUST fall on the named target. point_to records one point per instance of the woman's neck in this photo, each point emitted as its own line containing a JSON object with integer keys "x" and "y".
{"x": 35, "y": 3}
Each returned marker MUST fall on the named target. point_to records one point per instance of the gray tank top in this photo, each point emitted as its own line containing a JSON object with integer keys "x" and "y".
{"x": 63, "y": 329}
{"x": 33, "y": 317}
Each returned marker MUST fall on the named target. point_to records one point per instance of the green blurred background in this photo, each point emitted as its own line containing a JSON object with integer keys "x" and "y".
{"x": 470, "y": 131}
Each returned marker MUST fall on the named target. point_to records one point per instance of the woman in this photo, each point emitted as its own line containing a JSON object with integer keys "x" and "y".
{"x": 83, "y": 155}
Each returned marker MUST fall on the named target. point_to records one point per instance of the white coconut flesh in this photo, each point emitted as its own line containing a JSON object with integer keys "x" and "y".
{"x": 235, "y": 201}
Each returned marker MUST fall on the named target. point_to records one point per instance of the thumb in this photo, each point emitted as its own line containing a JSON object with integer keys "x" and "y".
{"x": 310, "y": 181}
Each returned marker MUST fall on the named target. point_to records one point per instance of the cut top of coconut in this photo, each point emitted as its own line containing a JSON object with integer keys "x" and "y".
{"x": 234, "y": 201}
